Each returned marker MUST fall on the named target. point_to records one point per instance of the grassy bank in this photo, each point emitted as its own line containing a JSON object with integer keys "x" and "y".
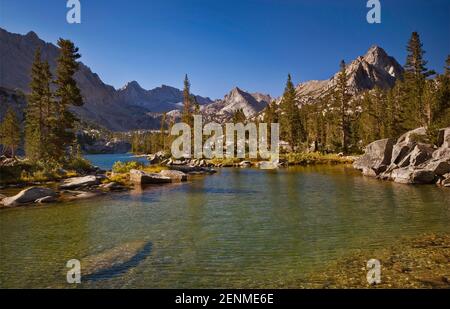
{"x": 120, "y": 171}
{"x": 302, "y": 158}
{"x": 312, "y": 158}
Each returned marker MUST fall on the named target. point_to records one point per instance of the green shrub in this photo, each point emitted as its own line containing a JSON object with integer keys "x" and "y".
{"x": 121, "y": 167}
{"x": 79, "y": 164}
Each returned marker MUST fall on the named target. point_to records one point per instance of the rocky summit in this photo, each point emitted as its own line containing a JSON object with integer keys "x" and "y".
{"x": 410, "y": 159}
{"x": 375, "y": 69}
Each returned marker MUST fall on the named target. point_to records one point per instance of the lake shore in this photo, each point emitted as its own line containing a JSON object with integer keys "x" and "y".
{"x": 419, "y": 262}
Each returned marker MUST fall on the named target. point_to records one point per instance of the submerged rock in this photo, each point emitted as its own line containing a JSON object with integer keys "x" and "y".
{"x": 80, "y": 195}
{"x": 114, "y": 261}
{"x": 29, "y": 195}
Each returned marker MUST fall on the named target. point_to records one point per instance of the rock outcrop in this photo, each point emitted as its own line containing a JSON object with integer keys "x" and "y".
{"x": 79, "y": 182}
{"x": 174, "y": 175}
{"x": 409, "y": 160}
{"x": 27, "y": 196}
{"x": 141, "y": 177}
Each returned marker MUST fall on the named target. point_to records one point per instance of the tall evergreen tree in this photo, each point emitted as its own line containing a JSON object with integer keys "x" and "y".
{"x": 414, "y": 108}
{"x": 39, "y": 118}
{"x": 10, "y": 132}
{"x": 67, "y": 94}
{"x": 291, "y": 125}
{"x": 163, "y": 131}
{"x": 187, "y": 113}
{"x": 342, "y": 99}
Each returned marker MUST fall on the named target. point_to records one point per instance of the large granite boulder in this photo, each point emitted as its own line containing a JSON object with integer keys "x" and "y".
{"x": 377, "y": 157}
{"x": 406, "y": 143}
{"x": 29, "y": 195}
{"x": 409, "y": 160}
{"x": 79, "y": 182}
{"x": 141, "y": 177}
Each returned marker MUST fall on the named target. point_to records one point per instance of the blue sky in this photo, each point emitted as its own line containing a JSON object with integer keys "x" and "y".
{"x": 252, "y": 44}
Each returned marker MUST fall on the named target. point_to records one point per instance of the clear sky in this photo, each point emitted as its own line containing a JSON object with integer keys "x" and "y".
{"x": 252, "y": 44}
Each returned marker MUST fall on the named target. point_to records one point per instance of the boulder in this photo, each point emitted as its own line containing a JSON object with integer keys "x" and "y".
{"x": 412, "y": 136}
{"x": 376, "y": 157}
{"x": 445, "y": 180}
{"x": 78, "y": 182}
{"x": 444, "y": 145}
{"x": 193, "y": 169}
{"x": 153, "y": 159}
{"x": 46, "y": 199}
{"x": 444, "y": 138}
{"x": 112, "y": 186}
{"x": 438, "y": 167}
{"x": 268, "y": 165}
{"x": 423, "y": 177}
{"x": 406, "y": 143}
{"x": 141, "y": 177}
{"x": 174, "y": 175}
{"x": 402, "y": 175}
{"x": 418, "y": 155}
{"x": 245, "y": 164}
{"x": 28, "y": 196}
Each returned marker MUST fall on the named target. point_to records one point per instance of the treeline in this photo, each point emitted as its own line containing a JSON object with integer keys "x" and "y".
{"x": 49, "y": 126}
{"x": 340, "y": 122}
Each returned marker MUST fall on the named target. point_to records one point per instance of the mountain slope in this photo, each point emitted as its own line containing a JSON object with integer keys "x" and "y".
{"x": 118, "y": 110}
{"x": 160, "y": 99}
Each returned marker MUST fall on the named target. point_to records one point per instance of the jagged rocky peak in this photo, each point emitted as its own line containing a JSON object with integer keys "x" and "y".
{"x": 250, "y": 103}
{"x": 378, "y": 57}
{"x": 375, "y": 69}
{"x": 32, "y": 35}
{"x": 132, "y": 85}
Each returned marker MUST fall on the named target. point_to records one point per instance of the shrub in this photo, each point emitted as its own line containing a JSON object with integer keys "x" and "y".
{"x": 125, "y": 167}
{"x": 79, "y": 164}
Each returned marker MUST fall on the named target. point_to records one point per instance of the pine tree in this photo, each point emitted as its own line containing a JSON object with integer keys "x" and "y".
{"x": 10, "y": 132}
{"x": 239, "y": 116}
{"x": 163, "y": 131}
{"x": 440, "y": 114}
{"x": 68, "y": 94}
{"x": 415, "y": 109}
{"x": 342, "y": 99}
{"x": 187, "y": 113}
{"x": 291, "y": 124}
{"x": 39, "y": 120}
